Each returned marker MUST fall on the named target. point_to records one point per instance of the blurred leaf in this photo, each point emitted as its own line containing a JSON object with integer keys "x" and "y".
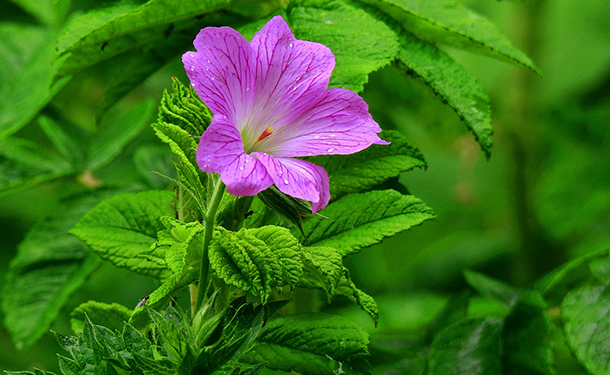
{"x": 492, "y": 288}
{"x": 117, "y": 130}
{"x": 48, "y": 12}
{"x": 255, "y": 260}
{"x": 69, "y": 147}
{"x": 360, "y": 220}
{"x": 154, "y": 158}
{"x": 49, "y": 266}
{"x": 118, "y": 27}
{"x": 449, "y": 22}
{"x": 316, "y": 343}
{"x": 586, "y": 326}
{"x": 361, "y": 44}
{"x": 468, "y": 347}
{"x": 454, "y": 310}
{"x": 600, "y": 268}
{"x": 121, "y": 227}
{"x": 526, "y": 338}
{"x": 112, "y": 316}
{"x": 24, "y": 163}
{"x": 451, "y": 82}
{"x": 28, "y": 70}
{"x": 372, "y": 166}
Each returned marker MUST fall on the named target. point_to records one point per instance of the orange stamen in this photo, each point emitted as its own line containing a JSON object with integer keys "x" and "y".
{"x": 265, "y": 134}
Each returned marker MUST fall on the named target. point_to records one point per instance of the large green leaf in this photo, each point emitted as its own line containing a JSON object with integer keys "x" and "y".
{"x": 360, "y": 220}
{"x": 126, "y": 225}
{"x": 47, "y": 12}
{"x": 314, "y": 344}
{"x": 491, "y": 288}
{"x": 23, "y": 163}
{"x": 449, "y": 22}
{"x": 28, "y": 71}
{"x": 468, "y": 347}
{"x": 116, "y": 131}
{"x": 323, "y": 269}
{"x": 256, "y": 260}
{"x": 112, "y": 316}
{"x": 119, "y": 27}
{"x": 451, "y": 82}
{"x": 361, "y": 43}
{"x": 586, "y": 326}
{"x": 365, "y": 169}
{"x": 49, "y": 266}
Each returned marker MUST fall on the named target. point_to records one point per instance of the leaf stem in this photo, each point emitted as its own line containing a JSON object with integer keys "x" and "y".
{"x": 210, "y": 221}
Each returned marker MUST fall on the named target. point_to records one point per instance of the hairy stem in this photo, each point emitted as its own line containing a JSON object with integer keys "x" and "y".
{"x": 210, "y": 221}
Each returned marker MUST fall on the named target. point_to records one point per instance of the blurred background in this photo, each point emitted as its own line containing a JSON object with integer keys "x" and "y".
{"x": 542, "y": 199}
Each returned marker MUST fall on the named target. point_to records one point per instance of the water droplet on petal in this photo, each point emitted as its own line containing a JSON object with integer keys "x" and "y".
{"x": 280, "y": 172}
{"x": 193, "y": 84}
{"x": 330, "y": 149}
{"x": 192, "y": 55}
{"x": 192, "y": 68}
{"x": 286, "y": 181}
{"x": 209, "y": 62}
{"x": 317, "y": 137}
{"x": 247, "y": 160}
{"x": 212, "y": 78}
{"x": 332, "y": 135}
{"x": 290, "y": 44}
{"x": 241, "y": 167}
{"x": 294, "y": 88}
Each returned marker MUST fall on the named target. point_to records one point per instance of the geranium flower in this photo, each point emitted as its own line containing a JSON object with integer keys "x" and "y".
{"x": 270, "y": 103}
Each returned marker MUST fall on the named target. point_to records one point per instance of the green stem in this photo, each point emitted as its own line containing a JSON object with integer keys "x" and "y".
{"x": 210, "y": 221}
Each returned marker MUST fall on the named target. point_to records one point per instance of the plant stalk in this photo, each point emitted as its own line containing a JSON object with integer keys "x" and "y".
{"x": 210, "y": 221}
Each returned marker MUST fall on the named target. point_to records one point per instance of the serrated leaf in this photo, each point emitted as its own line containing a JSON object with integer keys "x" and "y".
{"x": 28, "y": 71}
{"x": 347, "y": 288}
{"x": 112, "y": 316}
{"x": 323, "y": 269}
{"x": 255, "y": 260}
{"x": 586, "y": 326}
{"x": 119, "y": 27}
{"x": 363, "y": 170}
{"x": 181, "y": 245}
{"x": 120, "y": 228}
{"x": 184, "y": 108}
{"x": 24, "y": 164}
{"x": 151, "y": 366}
{"x": 468, "y": 347}
{"x": 117, "y": 130}
{"x": 50, "y": 265}
{"x": 361, "y": 43}
{"x": 526, "y": 338}
{"x": 360, "y": 220}
{"x": 492, "y": 288}
{"x": 159, "y": 298}
{"x": 451, "y": 82}
{"x": 315, "y": 344}
{"x": 449, "y": 22}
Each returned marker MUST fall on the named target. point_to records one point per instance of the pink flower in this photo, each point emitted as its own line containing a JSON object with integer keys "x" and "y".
{"x": 270, "y": 103}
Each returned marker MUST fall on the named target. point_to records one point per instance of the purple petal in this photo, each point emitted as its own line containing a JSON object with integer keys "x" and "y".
{"x": 298, "y": 178}
{"x": 221, "y": 151}
{"x": 291, "y": 74}
{"x": 339, "y": 123}
{"x": 222, "y": 72}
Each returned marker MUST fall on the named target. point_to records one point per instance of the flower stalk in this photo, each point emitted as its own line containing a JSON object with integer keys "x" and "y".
{"x": 210, "y": 221}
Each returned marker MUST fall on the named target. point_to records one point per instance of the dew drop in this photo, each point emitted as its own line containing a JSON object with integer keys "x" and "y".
{"x": 212, "y": 78}
{"x": 241, "y": 167}
{"x": 332, "y": 135}
{"x": 317, "y": 137}
{"x": 286, "y": 181}
{"x": 209, "y": 62}
{"x": 290, "y": 45}
{"x": 192, "y": 55}
{"x": 280, "y": 172}
{"x": 193, "y": 84}
{"x": 247, "y": 160}
{"x": 294, "y": 88}
{"x": 330, "y": 149}
{"x": 192, "y": 68}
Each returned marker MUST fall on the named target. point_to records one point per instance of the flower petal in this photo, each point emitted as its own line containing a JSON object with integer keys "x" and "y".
{"x": 221, "y": 151}
{"x": 298, "y": 178}
{"x": 222, "y": 72}
{"x": 291, "y": 74}
{"x": 339, "y": 123}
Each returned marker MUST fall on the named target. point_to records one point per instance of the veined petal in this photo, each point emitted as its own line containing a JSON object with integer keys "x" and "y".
{"x": 290, "y": 75}
{"x": 298, "y": 178}
{"x": 339, "y": 123}
{"x": 221, "y": 151}
{"x": 222, "y": 72}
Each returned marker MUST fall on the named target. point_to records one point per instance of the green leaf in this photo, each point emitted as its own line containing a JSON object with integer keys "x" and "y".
{"x": 315, "y": 344}
{"x": 28, "y": 71}
{"x": 184, "y": 108}
{"x": 117, "y": 130}
{"x": 118, "y": 27}
{"x": 449, "y": 22}
{"x": 361, "y": 43}
{"x": 455, "y": 309}
{"x": 159, "y": 298}
{"x": 586, "y": 324}
{"x": 124, "y": 226}
{"x": 360, "y": 220}
{"x": 323, "y": 269}
{"x": 363, "y": 170}
{"x": 24, "y": 164}
{"x": 50, "y": 265}
{"x": 47, "y": 12}
{"x": 112, "y": 316}
{"x": 70, "y": 148}
{"x": 600, "y": 268}
{"x": 255, "y": 260}
{"x": 451, "y": 83}
{"x": 492, "y": 288}
{"x": 526, "y": 338}
{"x": 468, "y": 347}
{"x": 154, "y": 158}
{"x": 347, "y": 288}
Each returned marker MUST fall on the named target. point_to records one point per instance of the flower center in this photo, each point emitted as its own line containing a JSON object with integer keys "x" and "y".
{"x": 265, "y": 134}
{"x": 257, "y": 145}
